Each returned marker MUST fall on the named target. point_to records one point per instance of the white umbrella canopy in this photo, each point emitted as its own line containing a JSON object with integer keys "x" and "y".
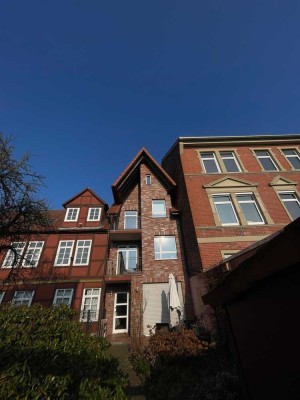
{"x": 174, "y": 302}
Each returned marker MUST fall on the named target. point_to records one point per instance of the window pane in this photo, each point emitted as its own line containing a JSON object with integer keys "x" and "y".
{"x": 293, "y": 208}
{"x": 122, "y": 298}
{"x": 130, "y": 220}
{"x": 230, "y": 161}
{"x": 268, "y": 164}
{"x": 225, "y": 210}
{"x": 158, "y": 208}
{"x": 210, "y": 162}
{"x": 251, "y": 213}
{"x": 165, "y": 247}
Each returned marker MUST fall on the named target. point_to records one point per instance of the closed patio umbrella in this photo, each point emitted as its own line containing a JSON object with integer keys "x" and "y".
{"x": 174, "y": 302}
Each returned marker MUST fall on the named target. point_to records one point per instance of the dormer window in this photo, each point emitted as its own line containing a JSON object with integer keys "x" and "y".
{"x": 72, "y": 214}
{"x": 94, "y": 214}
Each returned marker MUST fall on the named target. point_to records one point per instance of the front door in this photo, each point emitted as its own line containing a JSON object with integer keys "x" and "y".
{"x": 121, "y": 312}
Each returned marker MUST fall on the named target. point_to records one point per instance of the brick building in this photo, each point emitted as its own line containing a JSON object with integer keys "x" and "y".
{"x": 113, "y": 266}
{"x": 233, "y": 192}
{"x": 63, "y": 264}
{"x": 144, "y": 248}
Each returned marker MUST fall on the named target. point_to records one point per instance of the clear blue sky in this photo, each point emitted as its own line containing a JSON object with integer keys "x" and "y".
{"x": 84, "y": 84}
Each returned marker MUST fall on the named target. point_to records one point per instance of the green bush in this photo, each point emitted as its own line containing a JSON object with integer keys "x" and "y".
{"x": 46, "y": 355}
{"x": 177, "y": 365}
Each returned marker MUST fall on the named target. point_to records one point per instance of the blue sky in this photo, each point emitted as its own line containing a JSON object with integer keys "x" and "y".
{"x": 84, "y": 84}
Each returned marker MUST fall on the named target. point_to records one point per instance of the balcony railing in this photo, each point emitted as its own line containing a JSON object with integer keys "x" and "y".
{"x": 129, "y": 223}
{"x": 120, "y": 266}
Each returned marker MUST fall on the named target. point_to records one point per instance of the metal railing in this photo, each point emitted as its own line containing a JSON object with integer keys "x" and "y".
{"x": 129, "y": 223}
{"x": 121, "y": 266}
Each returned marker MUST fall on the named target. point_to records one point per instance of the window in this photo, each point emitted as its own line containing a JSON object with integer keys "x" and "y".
{"x": 237, "y": 208}
{"x": 127, "y": 259}
{"x": 94, "y": 214}
{"x": 159, "y": 208}
{"x": 23, "y": 298}
{"x": 266, "y": 161}
{"x": 293, "y": 157}
{"x": 130, "y": 220}
{"x": 90, "y": 304}
{"x": 10, "y": 256}
{"x": 249, "y": 207}
{"x": 230, "y": 162}
{"x": 82, "y": 253}
{"x": 165, "y": 247}
{"x": 64, "y": 252}
{"x": 148, "y": 179}
{"x": 72, "y": 214}
{"x": 33, "y": 254}
{"x": 210, "y": 162}
{"x": 1, "y": 296}
{"x": 225, "y": 209}
{"x": 291, "y": 203}
{"x": 63, "y": 296}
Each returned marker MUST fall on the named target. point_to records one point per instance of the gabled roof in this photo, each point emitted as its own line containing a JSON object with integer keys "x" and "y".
{"x": 282, "y": 181}
{"x": 126, "y": 180}
{"x": 81, "y": 193}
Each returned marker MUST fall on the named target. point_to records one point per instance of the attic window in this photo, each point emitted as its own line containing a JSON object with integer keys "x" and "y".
{"x": 72, "y": 214}
{"x": 148, "y": 179}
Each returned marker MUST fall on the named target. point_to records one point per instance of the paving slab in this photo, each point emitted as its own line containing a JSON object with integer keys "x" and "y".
{"x": 121, "y": 351}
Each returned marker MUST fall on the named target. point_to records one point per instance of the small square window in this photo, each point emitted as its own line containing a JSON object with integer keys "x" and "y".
{"x": 72, "y": 214}
{"x": 210, "y": 162}
{"x": 159, "y": 208}
{"x": 165, "y": 248}
{"x": 230, "y": 161}
{"x": 63, "y": 296}
{"x": 94, "y": 214}
{"x": 266, "y": 160}
{"x": 10, "y": 256}
{"x": 148, "y": 179}
{"x": 293, "y": 157}
{"x": 23, "y": 298}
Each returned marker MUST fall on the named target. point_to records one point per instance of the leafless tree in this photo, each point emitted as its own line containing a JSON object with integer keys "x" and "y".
{"x": 22, "y": 211}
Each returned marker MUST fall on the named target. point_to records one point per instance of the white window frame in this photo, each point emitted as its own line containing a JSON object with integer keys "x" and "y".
{"x": 60, "y": 247}
{"x": 63, "y": 296}
{"x": 2, "y": 294}
{"x": 148, "y": 179}
{"x": 33, "y": 252}
{"x": 213, "y": 157}
{"x": 10, "y": 255}
{"x": 90, "y": 296}
{"x": 87, "y": 244}
{"x": 230, "y": 201}
{"x": 92, "y": 212}
{"x": 283, "y": 201}
{"x": 289, "y": 157}
{"x": 232, "y": 157}
{"x": 162, "y": 254}
{"x": 72, "y": 214}
{"x": 254, "y": 202}
{"x": 162, "y": 214}
{"x": 23, "y": 297}
{"x": 268, "y": 156}
{"x": 126, "y": 216}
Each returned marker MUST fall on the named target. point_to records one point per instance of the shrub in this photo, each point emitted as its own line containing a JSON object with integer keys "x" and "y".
{"x": 45, "y": 355}
{"x": 177, "y": 365}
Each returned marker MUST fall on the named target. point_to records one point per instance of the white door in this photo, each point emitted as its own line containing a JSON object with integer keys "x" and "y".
{"x": 121, "y": 312}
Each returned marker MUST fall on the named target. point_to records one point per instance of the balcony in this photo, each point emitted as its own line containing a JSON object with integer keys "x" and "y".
{"x": 123, "y": 267}
{"x": 129, "y": 229}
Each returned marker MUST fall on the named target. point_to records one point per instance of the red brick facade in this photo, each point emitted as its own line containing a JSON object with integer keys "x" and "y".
{"x": 207, "y": 238}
